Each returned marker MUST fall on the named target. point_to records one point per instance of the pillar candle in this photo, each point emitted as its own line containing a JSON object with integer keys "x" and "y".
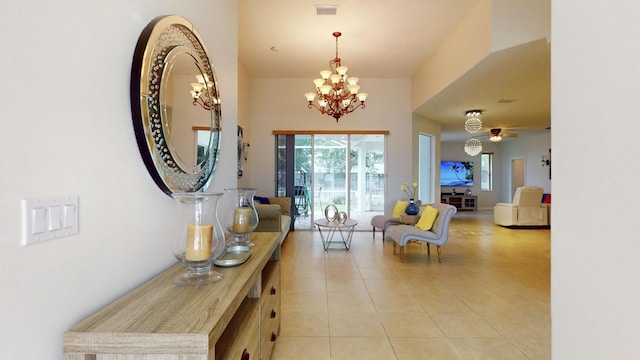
{"x": 241, "y": 220}
{"x": 198, "y": 242}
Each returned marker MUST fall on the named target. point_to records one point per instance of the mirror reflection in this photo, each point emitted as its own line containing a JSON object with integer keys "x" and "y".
{"x": 174, "y": 96}
{"x": 178, "y": 103}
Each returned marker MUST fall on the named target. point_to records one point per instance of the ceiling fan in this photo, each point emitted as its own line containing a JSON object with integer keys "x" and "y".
{"x": 496, "y": 135}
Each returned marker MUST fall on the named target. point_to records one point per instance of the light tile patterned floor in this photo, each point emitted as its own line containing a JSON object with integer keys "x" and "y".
{"x": 488, "y": 299}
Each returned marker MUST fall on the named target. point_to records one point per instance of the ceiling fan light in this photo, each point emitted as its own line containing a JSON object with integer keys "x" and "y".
{"x": 495, "y": 138}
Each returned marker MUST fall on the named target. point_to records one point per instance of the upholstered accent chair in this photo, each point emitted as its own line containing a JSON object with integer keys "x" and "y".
{"x": 526, "y": 209}
{"x": 382, "y": 222}
{"x": 437, "y": 235}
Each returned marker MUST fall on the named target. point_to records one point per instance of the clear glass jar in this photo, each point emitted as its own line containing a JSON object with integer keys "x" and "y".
{"x": 238, "y": 215}
{"x": 198, "y": 238}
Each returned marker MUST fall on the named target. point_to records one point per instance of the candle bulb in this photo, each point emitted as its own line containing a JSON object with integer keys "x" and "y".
{"x": 198, "y": 242}
{"x": 241, "y": 220}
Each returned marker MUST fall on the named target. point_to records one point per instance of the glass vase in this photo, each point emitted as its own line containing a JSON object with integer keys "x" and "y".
{"x": 198, "y": 238}
{"x": 412, "y": 208}
{"x": 238, "y": 215}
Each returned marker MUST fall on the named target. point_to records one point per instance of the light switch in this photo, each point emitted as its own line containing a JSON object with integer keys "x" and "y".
{"x": 68, "y": 216}
{"x": 38, "y": 220}
{"x": 49, "y": 218}
{"x": 55, "y": 219}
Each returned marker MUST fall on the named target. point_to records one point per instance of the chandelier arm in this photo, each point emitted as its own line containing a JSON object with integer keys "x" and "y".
{"x": 312, "y": 105}
{"x": 360, "y": 104}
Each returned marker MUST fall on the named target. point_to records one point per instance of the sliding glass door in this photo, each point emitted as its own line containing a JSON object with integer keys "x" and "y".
{"x": 345, "y": 170}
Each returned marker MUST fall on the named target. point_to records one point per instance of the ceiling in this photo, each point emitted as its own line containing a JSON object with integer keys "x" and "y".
{"x": 393, "y": 39}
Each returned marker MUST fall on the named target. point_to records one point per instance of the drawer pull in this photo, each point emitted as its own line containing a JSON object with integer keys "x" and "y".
{"x": 273, "y": 290}
{"x": 245, "y": 355}
{"x": 273, "y": 337}
{"x": 273, "y": 314}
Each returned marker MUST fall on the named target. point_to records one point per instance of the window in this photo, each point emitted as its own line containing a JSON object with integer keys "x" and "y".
{"x": 321, "y": 168}
{"x": 425, "y": 168}
{"x": 486, "y": 170}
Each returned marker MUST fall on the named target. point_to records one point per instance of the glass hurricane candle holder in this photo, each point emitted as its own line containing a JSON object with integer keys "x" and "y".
{"x": 198, "y": 238}
{"x": 238, "y": 215}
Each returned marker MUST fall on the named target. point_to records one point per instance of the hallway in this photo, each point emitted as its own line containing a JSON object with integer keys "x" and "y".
{"x": 488, "y": 299}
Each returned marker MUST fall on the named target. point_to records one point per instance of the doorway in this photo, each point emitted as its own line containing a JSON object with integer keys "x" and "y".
{"x": 517, "y": 175}
{"x": 342, "y": 169}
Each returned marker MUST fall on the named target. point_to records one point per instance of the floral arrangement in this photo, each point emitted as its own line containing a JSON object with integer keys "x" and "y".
{"x": 411, "y": 191}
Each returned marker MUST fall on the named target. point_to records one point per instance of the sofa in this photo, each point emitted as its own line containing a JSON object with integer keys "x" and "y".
{"x": 527, "y": 209}
{"x": 274, "y": 216}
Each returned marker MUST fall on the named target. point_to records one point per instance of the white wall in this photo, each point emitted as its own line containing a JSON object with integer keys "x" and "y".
{"x": 464, "y": 48}
{"x": 387, "y": 108}
{"x": 595, "y": 272}
{"x": 531, "y": 149}
{"x": 66, "y": 128}
{"x": 244, "y": 119}
{"x": 516, "y": 22}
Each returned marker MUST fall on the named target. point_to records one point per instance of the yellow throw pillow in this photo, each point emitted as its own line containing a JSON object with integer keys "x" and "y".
{"x": 399, "y": 209}
{"x": 427, "y": 218}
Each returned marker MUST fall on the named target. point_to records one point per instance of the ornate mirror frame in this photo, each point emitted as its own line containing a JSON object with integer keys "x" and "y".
{"x": 155, "y": 65}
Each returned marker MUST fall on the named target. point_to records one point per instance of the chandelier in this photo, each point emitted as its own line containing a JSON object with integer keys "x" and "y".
{"x": 337, "y": 94}
{"x": 203, "y": 93}
{"x": 473, "y": 147}
{"x": 473, "y": 123}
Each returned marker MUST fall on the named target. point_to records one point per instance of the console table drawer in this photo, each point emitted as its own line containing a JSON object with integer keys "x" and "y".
{"x": 241, "y": 339}
{"x": 270, "y": 308}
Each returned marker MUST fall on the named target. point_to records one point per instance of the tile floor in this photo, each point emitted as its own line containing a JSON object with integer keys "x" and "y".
{"x": 488, "y": 299}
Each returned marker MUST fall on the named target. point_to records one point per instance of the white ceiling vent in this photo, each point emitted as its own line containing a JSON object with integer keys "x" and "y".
{"x": 326, "y": 9}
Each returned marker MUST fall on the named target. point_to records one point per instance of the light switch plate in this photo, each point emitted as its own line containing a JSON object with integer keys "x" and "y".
{"x": 49, "y": 218}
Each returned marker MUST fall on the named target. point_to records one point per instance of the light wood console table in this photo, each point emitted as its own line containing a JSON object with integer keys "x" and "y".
{"x": 235, "y": 318}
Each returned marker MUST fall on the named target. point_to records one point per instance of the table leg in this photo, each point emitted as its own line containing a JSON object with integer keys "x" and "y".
{"x": 347, "y": 241}
{"x": 328, "y": 233}
{"x": 326, "y": 236}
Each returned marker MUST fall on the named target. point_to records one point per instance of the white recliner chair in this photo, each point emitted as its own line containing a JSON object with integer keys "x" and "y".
{"x": 526, "y": 209}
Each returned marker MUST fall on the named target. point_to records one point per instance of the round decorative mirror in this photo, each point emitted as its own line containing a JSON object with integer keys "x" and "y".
{"x": 175, "y": 104}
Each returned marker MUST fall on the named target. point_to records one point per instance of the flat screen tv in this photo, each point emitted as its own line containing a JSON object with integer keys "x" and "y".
{"x": 456, "y": 173}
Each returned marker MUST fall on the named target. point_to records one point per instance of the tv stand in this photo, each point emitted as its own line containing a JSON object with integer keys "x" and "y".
{"x": 461, "y": 202}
